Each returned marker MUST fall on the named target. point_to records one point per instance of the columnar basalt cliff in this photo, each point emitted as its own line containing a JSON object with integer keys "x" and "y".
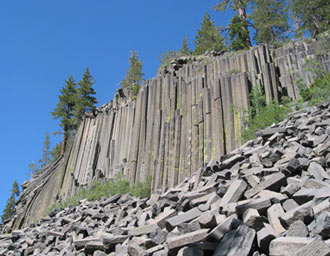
{"x": 190, "y": 113}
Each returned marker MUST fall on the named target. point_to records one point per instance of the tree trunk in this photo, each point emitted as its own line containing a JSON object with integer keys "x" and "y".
{"x": 65, "y": 139}
{"x": 242, "y": 15}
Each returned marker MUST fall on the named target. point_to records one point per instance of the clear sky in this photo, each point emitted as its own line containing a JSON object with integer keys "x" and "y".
{"x": 43, "y": 42}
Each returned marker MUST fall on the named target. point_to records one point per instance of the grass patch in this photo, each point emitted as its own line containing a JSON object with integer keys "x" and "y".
{"x": 262, "y": 115}
{"x": 318, "y": 92}
{"x": 109, "y": 188}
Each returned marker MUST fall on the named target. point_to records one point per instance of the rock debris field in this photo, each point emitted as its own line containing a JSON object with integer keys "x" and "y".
{"x": 268, "y": 197}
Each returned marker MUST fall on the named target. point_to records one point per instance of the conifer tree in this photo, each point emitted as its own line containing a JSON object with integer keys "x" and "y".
{"x": 134, "y": 75}
{"x": 14, "y": 192}
{"x": 85, "y": 101}
{"x": 240, "y": 6}
{"x": 311, "y": 15}
{"x": 64, "y": 109}
{"x": 45, "y": 152}
{"x": 208, "y": 37}
{"x": 270, "y": 20}
{"x": 238, "y": 35}
{"x": 185, "y": 49}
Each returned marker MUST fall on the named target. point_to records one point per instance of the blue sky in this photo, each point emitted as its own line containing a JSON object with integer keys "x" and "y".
{"x": 44, "y": 42}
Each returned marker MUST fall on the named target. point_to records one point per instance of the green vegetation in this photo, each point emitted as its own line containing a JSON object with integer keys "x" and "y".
{"x": 165, "y": 58}
{"x": 84, "y": 99}
{"x": 14, "y": 193}
{"x": 238, "y": 35}
{"x": 240, "y": 6}
{"x": 262, "y": 115}
{"x": 312, "y": 16}
{"x": 270, "y": 21}
{"x": 109, "y": 188}
{"x": 318, "y": 92}
{"x": 134, "y": 75}
{"x": 208, "y": 37}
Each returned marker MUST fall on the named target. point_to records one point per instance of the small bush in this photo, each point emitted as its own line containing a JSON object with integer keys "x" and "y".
{"x": 261, "y": 115}
{"x": 109, "y": 188}
{"x": 318, "y": 92}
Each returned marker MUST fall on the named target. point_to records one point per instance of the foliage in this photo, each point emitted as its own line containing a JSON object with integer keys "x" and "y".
{"x": 134, "y": 75}
{"x": 270, "y": 20}
{"x": 14, "y": 193}
{"x": 312, "y": 16}
{"x": 55, "y": 152}
{"x": 208, "y": 37}
{"x": 166, "y": 57}
{"x": 234, "y": 4}
{"x": 318, "y": 92}
{"x": 238, "y": 35}
{"x": 111, "y": 187}
{"x": 65, "y": 105}
{"x": 240, "y": 6}
{"x": 34, "y": 169}
{"x": 45, "y": 160}
{"x": 262, "y": 115}
{"x": 185, "y": 48}
{"x": 85, "y": 101}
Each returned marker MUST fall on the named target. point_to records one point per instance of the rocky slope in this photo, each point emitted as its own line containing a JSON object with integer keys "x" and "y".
{"x": 268, "y": 197}
{"x": 190, "y": 113}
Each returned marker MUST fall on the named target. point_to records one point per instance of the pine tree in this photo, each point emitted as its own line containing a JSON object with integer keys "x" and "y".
{"x": 134, "y": 75}
{"x": 240, "y": 6}
{"x": 238, "y": 36}
{"x": 55, "y": 153}
{"x": 45, "y": 152}
{"x": 270, "y": 20}
{"x": 185, "y": 49}
{"x": 208, "y": 37}
{"x": 85, "y": 101}
{"x": 64, "y": 109}
{"x": 311, "y": 15}
{"x": 34, "y": 169}
{"x": 14, "y": 192}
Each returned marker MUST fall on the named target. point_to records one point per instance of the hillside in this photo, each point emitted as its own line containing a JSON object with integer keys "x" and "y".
{"x": 268, "y": 197}
{"x": 189, "y": 114}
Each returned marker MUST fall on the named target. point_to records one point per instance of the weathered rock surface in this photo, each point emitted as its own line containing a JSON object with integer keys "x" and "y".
{"x": 181, "y": 120}
{"x": 223, "y": 215}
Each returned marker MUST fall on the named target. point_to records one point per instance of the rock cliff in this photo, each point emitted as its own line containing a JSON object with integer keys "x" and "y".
{"x": 190, "y": 113}
{"x": 268, "y": 197}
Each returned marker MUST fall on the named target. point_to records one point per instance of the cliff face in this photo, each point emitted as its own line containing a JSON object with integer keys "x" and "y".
{"x": 190, "y": 113}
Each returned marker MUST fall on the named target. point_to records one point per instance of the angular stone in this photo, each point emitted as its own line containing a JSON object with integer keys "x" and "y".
{"x": 322, "y": 225}
{"x": 286, "y": 246}
{"x": 258, "y": 204}
{"x": 186, "y": 251}
{"x": 186, "y": 239}
{"x": 234, "y": 192}
{"x": 252, "y": 218}
{"x": 314, "y": 248}
{"x": 207, "y": 220}
{"x": 110, "y": 240}
{"x": 302, "y": 213}
{"x": 236, "y": 242}
{"x": 317, "y": 171}
{"x": 228, "y": 224}
{"x": 273, "y": 182}
{"x": 273, "y": 214}
{"x": 298, "y": 229}
{"x": 171, "y": 223}
{"x": 264, "y": 237}
{"x": 143, "y": 230}
{"x": 289, "y": 205}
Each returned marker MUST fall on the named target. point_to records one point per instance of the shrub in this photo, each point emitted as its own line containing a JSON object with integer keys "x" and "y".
{"x": 318, "y": 92}
{"x": 261, "y": 115}
{"x": 109, "y": 188}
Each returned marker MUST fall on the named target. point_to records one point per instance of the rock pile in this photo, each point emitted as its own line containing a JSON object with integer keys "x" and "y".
{"x": 269, "y": 197}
